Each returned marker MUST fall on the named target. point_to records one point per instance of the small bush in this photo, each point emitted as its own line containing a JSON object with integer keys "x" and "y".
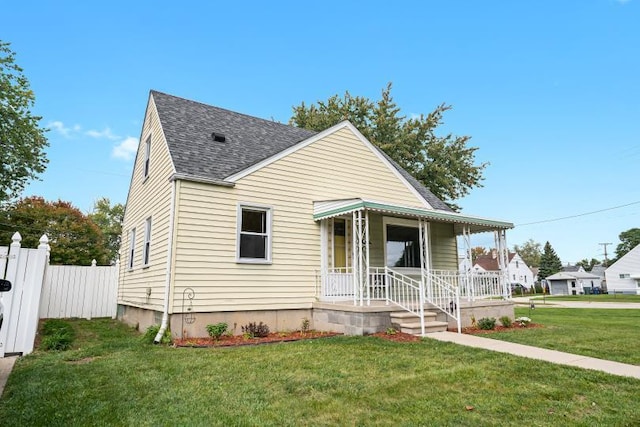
{"x": 57, "y": 335}
{"x": 487, "y": 323}
{"x": 217, "y": 330}
{"x": 523, "y": 321}
{"x": 505, "y": 321}
{"x": 151, "y": 333}
{"x": 391, "y": 331}
{"x": 255, "y": 330}
{"x": 306, "y": 324}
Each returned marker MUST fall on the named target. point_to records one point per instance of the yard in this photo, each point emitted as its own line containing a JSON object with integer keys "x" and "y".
{"x": 587, "y": 298}
{"x": 111, "y": 378}
{"x": 602, "y": 333}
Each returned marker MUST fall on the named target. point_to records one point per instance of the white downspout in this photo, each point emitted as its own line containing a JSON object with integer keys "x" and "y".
{"x": 167, "y": 289}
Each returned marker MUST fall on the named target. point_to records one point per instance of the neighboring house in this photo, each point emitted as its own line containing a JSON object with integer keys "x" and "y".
{"x": 572, "y": 268}
{"x": 573, "y": 283}
{"x": 623, "y": 276}
{"x": 518, "y": 271}
{"x": 231, "y": 218}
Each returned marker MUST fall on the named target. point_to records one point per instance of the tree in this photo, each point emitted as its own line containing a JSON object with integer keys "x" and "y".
{"x": 549, "y": 262}
{"x": 444, "y": 164}
{"x": 588, "y": 265}
{"x": 22, "y": 155}
{"x": 73, "y": 236}
{"x": 478, "y": 251}
{"x": 530, "y": 252}
{"x": 628, "y": 240}
{"x": 109, "y": 219}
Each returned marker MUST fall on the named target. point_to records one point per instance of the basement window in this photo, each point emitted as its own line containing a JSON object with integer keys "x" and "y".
{"x": 254, "y": 234}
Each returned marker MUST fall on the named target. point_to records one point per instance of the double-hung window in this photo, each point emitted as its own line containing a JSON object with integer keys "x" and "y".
{"x": 132, "y": 248}
{"x": 147, "y": 157}
{"x": 147, "y": 242}
{"x": 254, "y": 234}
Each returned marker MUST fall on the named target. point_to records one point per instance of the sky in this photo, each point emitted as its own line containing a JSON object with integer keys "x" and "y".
{"x": 548, "y": 90}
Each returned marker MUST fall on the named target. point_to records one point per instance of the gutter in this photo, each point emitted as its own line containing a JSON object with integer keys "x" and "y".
{"x": 167, "y": 289}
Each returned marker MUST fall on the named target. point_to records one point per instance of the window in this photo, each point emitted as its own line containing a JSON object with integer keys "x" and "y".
{"x": 147, "y": 157}
{"x": 525, "y": 279}
{"x": 254, "y": 234}
{"x": 517, "y": 264}
{"x": 625, "y": 275}
{"x": 403, "y": 246}
{"x": 132, "y": 248}
{"x": 573, "y": 285}
{"x": 147, "y": 242}
{"x": 514, "y": 277}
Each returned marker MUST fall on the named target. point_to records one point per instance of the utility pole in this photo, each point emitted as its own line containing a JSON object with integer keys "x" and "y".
{"x": 606, "y": 261}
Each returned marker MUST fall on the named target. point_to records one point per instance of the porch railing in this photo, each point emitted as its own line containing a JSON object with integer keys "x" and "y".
{"x": 475, "y": 284}
{"x": 443, "y": 295}
{"x": 405, "y": 292}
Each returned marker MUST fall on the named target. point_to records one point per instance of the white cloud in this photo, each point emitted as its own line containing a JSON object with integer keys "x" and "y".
{"x": 126, "y": 150}
{"x": 105, "y": 133}
{"x": 63, "y": 130}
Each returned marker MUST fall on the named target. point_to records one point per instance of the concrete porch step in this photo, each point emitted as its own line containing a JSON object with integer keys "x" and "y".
{"x": 407, "y": 317}
{"x": 429, "y": 327}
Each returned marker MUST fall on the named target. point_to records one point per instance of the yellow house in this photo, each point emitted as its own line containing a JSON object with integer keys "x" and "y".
{"x": 231, "y": 218}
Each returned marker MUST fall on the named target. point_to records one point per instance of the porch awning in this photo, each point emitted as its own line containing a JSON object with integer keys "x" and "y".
{"x": 334, "y": 208}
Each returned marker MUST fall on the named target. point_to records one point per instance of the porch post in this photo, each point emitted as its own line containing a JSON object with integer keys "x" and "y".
{"x": 324, "y": 262}
{"x": 425, "y": 261}
{"x": 354, "y": 258}
{"x": 466, "y": 237}
{"x": 365, "y": 245}
{"x": 503, "y": 260}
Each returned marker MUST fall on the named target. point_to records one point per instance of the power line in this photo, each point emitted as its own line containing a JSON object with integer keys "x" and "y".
{"x": 578, "y": 215}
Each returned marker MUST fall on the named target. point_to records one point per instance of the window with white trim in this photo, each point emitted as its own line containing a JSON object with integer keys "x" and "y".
{"x": 254, "y": 234}
{"x": 625, "y": 275}
{"x": 147, "y": 157}
{"x": 147, "y": 242}
{"x": 132, "y": 248}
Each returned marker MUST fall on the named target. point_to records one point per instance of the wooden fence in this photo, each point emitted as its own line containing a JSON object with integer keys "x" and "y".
{"x": 79, "y": 291}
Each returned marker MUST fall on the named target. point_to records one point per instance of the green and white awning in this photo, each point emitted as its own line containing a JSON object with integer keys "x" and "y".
{"x": 335, "y": 208}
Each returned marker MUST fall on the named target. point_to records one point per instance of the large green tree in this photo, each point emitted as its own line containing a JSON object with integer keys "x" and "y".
{"x": 549, "y": 262}
{"x": 109, "y": 219}
{"x": 74, "y": 238}
{"x": 628, "y": 240}
{"x": 530, "y": 252}
{"x": 444, "y": 164}
{"x": 22, "y": 152}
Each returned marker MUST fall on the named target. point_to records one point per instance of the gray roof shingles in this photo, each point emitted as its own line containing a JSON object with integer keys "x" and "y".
{"x": 188, "y": 125}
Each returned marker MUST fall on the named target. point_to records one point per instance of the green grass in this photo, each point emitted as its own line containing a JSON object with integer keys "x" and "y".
{"x": 589, "y": 298}
{"x": 603, "y": 333}
{"x": 111, "y": 378}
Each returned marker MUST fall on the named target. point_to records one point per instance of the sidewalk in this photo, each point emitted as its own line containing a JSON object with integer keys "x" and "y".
{"x": 552, "y": 303}
{"x": 6, "y": 365}
{"x": 552, "y": 356}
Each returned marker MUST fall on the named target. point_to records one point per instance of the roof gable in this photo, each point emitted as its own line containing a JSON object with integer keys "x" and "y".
{"x": 250, "y": 143}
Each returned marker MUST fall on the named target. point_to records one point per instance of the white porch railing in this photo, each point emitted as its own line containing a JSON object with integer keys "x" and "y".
{"x": 475, "y": 284}
{"x": 405, "y": 292}
{"x": 444, "y": 295}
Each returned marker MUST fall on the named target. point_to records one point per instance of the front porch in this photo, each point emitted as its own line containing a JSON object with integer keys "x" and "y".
{"x": 404, "y": 258}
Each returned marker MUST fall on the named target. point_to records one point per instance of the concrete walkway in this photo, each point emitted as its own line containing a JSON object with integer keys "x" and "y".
{"x": 552, "y": 356}
{"x": 6, "y": 365}
{"x": 553, "y": 303}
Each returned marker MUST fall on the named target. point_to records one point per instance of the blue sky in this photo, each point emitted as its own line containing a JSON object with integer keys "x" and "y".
{"x": 548, "y": 90}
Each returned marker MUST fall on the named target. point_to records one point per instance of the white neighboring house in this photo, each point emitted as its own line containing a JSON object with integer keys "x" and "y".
{"x": 519, "y": 272}
{"x": 623, "y": 276}
{"x": 573, "y": 283}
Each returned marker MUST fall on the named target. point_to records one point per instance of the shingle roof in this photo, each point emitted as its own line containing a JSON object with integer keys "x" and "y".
{"x": 489, "y": 263}
{"x": 187, "y": 127}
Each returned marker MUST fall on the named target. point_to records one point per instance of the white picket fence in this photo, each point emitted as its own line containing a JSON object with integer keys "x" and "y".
{"x": 42, "y": 291}
{"x": 79, "y": 291}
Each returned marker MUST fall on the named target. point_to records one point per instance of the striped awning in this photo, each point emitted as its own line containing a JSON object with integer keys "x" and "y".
{"x": 335, "y": 208}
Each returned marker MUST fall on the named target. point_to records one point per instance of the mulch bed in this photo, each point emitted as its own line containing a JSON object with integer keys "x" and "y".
{"x": 239, "y": 340}
{"x": 474, "y": 330}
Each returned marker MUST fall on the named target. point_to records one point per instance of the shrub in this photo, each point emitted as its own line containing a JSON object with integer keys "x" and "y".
{"x": 255, "y": 330}
{"x": 57, "y": 335}
{"x": 151, "y": 333}
{"x": 523, "y": 321}
{"x": 306, "y": 324}
{"x": 505, "y": 321}
{"x": 487, "y": 323}
{"x": 217, "y": 330}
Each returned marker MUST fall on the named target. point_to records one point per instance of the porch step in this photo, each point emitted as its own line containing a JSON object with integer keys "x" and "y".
{"x": 409, "y": 323}
{"x": 429, "y": 327}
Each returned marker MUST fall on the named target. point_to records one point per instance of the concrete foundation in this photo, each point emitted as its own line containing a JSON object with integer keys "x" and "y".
{"x": 341, "y": 317}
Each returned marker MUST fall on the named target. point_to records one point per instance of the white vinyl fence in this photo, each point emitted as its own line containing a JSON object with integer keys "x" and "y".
{"x": 79, "y": 291}
{"x": 43, "y": 291}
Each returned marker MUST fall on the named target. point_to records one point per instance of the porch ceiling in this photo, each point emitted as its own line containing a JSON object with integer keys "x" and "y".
{"x": 333, "y": 208}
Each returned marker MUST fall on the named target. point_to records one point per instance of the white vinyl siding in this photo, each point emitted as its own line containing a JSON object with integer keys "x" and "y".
{"x": 132, "y": 248}
{"x": 150, "y": 197}
{"x": 338, "y": 166}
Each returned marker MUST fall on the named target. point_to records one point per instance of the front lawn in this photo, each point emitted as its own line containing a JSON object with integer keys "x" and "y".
{"x": 603, "y": 333}
{"x": 110, "y": 378}
{"x": 588, "y": 298}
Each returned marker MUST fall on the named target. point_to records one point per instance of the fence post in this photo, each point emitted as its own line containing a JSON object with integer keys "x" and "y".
{"x": 10, "y": 321}
{"x": 34, "y": 279}
{"x": 91, "y": 287}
